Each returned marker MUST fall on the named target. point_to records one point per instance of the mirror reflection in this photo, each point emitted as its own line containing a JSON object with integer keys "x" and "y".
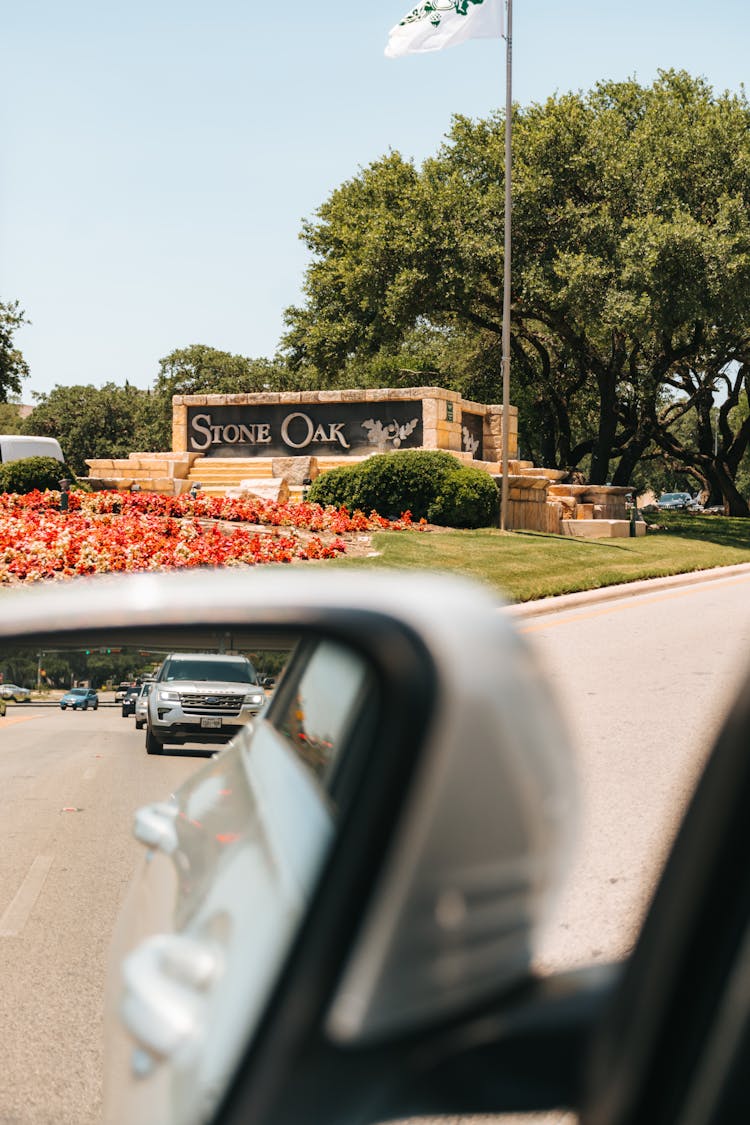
{"x": 197, "y": 874}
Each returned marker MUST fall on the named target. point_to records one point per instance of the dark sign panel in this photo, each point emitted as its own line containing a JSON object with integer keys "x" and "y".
{"x": 472, "y": 430}
{"x": 325, "y": 429}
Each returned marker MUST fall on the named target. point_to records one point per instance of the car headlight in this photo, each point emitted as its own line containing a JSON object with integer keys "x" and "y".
{"x": 254, "y": 698}
{"x": 169, "y": 696}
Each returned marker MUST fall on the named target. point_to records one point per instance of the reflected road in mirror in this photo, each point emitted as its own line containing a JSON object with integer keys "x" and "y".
{"x": 62, "y": 877}
{"x": 226, "y": 843}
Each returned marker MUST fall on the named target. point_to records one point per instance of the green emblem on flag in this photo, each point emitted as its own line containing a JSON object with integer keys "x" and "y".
{"x": 433, "y": 10}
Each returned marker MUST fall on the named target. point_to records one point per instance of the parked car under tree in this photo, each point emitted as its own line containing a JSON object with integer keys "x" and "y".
{"x": 674, "y": 501}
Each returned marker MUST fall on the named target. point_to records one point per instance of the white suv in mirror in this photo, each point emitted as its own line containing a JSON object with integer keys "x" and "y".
{"x": 201, "y": 697}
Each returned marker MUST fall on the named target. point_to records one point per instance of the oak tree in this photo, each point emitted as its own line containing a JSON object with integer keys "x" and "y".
{"x": 631, "y": 265}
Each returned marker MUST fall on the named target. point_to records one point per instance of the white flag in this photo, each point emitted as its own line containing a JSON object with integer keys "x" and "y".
{"x": 434, "y": 24}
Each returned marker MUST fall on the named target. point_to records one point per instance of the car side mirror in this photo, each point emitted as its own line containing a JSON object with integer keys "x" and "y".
{"x": 368, "y": 858}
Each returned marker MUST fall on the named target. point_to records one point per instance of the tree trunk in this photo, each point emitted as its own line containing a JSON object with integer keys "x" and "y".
{"x": 721, "y": 484}
{"x": 605, "y": 438}
{"x": 607, "y": 378}
{"x": 735, "y": 503}
{"x": 630, "y": 457}
{"x": 548, "y": 443}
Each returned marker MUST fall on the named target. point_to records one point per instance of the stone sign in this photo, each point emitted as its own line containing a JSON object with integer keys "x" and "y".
{"x": 317, "y": 429}
{"x": 333, "y": 425}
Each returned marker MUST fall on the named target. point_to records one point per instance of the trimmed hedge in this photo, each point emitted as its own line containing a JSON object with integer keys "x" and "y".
{"x": 335, "y": 488}
{"x": 431, "y": 484}
{"x": 467, "y": 498}
{"x": 33, "y": 472}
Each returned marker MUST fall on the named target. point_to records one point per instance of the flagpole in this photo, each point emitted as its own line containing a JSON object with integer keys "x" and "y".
{"x": 506, "y": 263}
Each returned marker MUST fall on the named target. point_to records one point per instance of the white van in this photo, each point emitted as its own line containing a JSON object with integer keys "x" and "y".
{"x": 13, "y": 447}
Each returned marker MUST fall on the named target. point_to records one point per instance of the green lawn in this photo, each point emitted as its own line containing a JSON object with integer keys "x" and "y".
{"x": 527, "y": 565}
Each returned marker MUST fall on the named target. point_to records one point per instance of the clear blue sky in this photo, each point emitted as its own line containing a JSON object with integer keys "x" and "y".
{"x": 158, "y": 157}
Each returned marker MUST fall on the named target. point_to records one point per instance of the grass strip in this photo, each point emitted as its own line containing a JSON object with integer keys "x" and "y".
{"x": 525, "y": 565}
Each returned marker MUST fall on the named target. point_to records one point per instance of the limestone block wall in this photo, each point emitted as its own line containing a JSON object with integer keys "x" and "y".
{"x": 493, "y": 433}
{"x": 538, "y": 502}
{"x": 528, "y": 505}
{"x": 591, "y": 501}
{"x": 156, "y": 472}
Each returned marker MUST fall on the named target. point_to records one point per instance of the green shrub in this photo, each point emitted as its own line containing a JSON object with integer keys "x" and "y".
{"x": 335, "y": 487}
{"x": 33, "y": 472}
{"x": 431, "y": 484}
{"x": 467, "y": 498}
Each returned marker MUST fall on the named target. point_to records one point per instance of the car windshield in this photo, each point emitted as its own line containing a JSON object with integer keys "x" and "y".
{"x": 78, "y": 691}
{"x": 231, "y": 671}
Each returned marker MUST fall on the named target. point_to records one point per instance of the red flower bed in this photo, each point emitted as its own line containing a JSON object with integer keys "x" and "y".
{"x": 115, "y": 531}
{"x": 308, "y": 517}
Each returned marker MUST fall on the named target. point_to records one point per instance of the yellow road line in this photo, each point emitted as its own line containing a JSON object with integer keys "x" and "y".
{"x": 21, "y": 719}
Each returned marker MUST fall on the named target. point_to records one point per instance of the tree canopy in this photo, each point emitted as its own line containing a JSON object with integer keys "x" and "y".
{"x": 113, "y": 420}
{"x": 13, "y": 367}
{"x": 107, "y": 421}
{"x": 631, "y": 268}
{"x": 199, "y": 369}
{"x": 11, "y": 421}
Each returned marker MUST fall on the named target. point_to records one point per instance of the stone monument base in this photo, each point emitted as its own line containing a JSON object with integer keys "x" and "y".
{"x": 274, "y": 444}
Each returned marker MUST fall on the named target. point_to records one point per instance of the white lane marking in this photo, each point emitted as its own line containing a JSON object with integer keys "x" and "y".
{"x": 17, "y": 912}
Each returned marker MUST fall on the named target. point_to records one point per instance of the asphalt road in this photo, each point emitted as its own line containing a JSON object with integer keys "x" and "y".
{"x": 642, "y": 683}
{"x": 69, "y": 783}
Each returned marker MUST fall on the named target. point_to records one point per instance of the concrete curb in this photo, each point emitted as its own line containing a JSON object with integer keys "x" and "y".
{"x": 624, "y": 590}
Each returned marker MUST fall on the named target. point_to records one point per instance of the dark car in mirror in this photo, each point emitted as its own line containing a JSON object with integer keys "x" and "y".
{"x": 128, "y": 700}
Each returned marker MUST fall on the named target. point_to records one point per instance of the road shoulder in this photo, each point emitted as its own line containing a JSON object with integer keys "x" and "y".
{"x": 624, "y": 590}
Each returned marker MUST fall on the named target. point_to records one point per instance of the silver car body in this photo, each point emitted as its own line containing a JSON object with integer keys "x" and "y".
{"x": 173, "y": 1035}
{"x": 241, "y": 844}
{"x": 141, "y": 705}
{"x": 13, "y": 691}
{"x": 209, "y": 704}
